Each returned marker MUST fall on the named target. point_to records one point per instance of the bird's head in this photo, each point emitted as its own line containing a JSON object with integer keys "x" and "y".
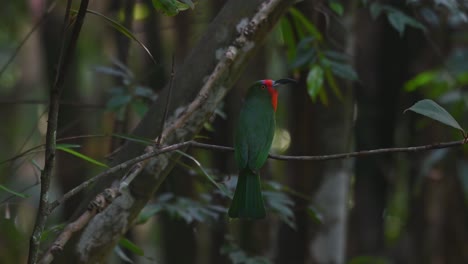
{"x": 269, "y": 85}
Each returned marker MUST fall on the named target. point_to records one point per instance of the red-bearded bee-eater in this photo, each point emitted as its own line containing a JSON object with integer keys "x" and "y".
{"x": 253, "y": 138}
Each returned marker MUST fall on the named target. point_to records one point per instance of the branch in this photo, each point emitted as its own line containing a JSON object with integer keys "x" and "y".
{"x": 210, "y": 70}
{"x": 100, "y": 202}
{"x": 137, "y": 166}
{"x": 64, "y": 62}
{"x": 342, "y": 155}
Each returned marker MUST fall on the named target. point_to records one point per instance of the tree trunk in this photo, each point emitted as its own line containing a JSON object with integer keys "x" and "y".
{"x": 317, "y": 129}
{"x": 381, "y": 63}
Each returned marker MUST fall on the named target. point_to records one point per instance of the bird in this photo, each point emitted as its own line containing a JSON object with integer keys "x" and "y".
{"x": 252, "y": 141}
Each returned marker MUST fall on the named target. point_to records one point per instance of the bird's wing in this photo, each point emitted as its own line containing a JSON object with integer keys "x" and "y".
{"x": 254, "y": 135}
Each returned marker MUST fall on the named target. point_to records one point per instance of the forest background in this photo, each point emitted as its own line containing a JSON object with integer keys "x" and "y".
{"x": 115, "y": 97}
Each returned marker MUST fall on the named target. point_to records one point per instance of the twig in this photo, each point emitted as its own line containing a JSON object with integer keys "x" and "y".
{"x": 64, "y": 63}
{"x": 343, "y": 155}
{"x": 168, "y": 99}
{"x": 196, "y": 144}
{"x": 44, "y": 102}
{"x": 115, "y": 169}
{"x": 99, "y": 203}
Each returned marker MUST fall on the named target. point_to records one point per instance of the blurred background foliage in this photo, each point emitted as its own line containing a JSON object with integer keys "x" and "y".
{"x": 363, "y": 61}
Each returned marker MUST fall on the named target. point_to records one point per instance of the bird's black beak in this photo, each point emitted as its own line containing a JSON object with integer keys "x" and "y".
{"x": 284, "y": 81}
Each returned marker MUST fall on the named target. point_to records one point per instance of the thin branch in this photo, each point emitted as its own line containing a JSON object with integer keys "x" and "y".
{"x": 196, "y": 144}
{"x": 115, "y": 169}
{"x": 64, "y": 64}
{"x": 343, "y": 155}
{"x": 44, "y": 102}
{"x": 168, "y": 99}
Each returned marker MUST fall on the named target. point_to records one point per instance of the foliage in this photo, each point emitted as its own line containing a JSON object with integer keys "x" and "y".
{"x": 172, "y": 7}
{"x": 8, "y": 190}
{"x": 434, "y": 111}
{"x": 129, "y": 95}
{"x": 239, "y": 256}
{"x": 307, "y": 51}
{"x": 80, "y": 155}
{"x": 398, "y": 19}
{"x": 183, "y": 208}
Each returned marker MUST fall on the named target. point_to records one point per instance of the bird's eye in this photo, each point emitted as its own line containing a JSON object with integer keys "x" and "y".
{"x": 263, "y": 87}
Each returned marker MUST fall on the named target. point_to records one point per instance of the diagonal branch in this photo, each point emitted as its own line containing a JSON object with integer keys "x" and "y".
{"x": 211, "y": 69}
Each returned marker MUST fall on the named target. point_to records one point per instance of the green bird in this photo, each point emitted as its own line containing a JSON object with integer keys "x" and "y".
{"x": 253, "y": 138}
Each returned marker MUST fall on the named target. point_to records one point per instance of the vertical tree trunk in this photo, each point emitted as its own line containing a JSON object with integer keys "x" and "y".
{"x": 318, "y": 129}
{"x": 381, "y": 63}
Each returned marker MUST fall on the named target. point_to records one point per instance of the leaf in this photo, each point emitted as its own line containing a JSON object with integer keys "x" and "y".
{"x": 141, "y": 140}
{"x": 288, "y": 37}
{"x": 315, "y": 81}
{"x": 303, "y": 59}
{"x": 434, "y": 111}
{"x": 314, "y": 214}
{"x": 221, "y": 187}
{"x": 332, "y": 83}
{"x": 420, "y": 80}
{"x": 376, "y": 9}
{"x": 119, "y": 27}
{"x": 169, "y": 7}
{"x": 139, "y": 107}
{"x": 121, "y": 254}
{"x": 131, "y": 246}
{"x": 189, "y": 3}
{"x": 81, "y": 156}
{"x": 118, "y": 101}
{"x": 337, "y": 7}
{"x": 282, "y": 205}
{"x": 8, "y": 190}
{"x": 400, "y": 20}
{"x": 342, "y": 70}
{"x": 297, "y": 15}
{"x": 51, "y": 231}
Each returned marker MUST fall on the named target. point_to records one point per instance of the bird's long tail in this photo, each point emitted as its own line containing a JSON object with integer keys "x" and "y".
{"x": 248, "y": 200}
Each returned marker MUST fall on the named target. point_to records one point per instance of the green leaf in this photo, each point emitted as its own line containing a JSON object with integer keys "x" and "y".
{"x": 118, "y": 101}
{"x": 8, "y": 190}
{"x": 288, "y": 37}
{"x": 169, "y": 7}
{"x": 420, "y": 80}
{"x": 376, "y": 9}
{"x": 342, "y": 70}
{"x": 189, "y": 3}
{"x": 332, "y": 83}
{"x": 314, "y": 214}
{"x": 337, "y": 7}
{"x": 221, "y": 187}
{"x": 434, "y": 111}
{"x": 140, "y": 107}
{"x": 315, "y": 81}
{"x": 400, "y": 20}
{"x": 141, "y": 140}
{"x": 131, "y": 246}
{"x": 51, "y": 231}
{"x": 81, "y": 156}
{"x": 298, "y": 16}
{"x": 119, "y": 27}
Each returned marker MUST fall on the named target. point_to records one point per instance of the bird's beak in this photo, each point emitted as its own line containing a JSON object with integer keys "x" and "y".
{"x": 284, "y": 81}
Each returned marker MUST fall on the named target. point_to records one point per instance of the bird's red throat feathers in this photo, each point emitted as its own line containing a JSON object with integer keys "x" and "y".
{"x": 273, "y": 93}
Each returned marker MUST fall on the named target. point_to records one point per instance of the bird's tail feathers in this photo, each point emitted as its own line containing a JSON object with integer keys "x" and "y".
{"x": 248, "y": 199}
